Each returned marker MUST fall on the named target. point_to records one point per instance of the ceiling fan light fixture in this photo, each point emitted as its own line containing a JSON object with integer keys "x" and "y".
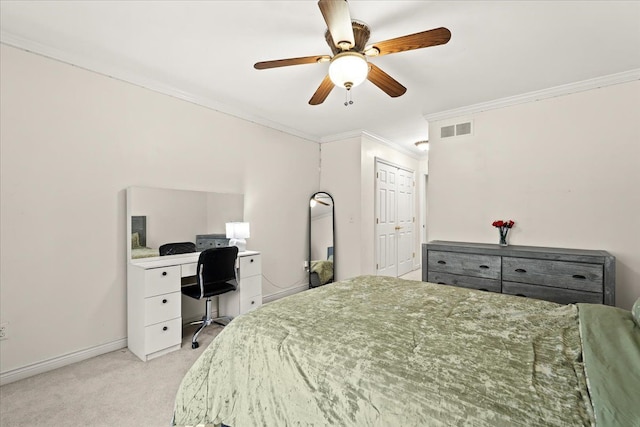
{"x": 348, "y": 69}
{"x": 422, "y": 145}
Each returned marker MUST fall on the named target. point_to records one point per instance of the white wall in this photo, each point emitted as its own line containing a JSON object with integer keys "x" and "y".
{"x": 353, "y": 189}
{"x": 565, "y": 169}
{"x": 72, "y": 141}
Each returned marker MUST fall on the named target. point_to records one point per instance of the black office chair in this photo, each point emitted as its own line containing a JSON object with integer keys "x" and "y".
{"x": 177, "y": 248}
{"x": 216, "y": 275}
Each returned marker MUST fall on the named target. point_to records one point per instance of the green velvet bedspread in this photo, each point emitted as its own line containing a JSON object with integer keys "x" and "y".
{"x": 611, "y": 344}
{"x": 378, "y": 351}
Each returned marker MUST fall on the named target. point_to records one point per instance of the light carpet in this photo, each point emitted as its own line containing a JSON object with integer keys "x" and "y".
{"x": 113, "y": 389}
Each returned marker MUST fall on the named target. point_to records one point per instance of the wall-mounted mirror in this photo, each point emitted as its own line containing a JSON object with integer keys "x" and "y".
{"x": 321, "y": 239}
{"x": 156, "y": 216}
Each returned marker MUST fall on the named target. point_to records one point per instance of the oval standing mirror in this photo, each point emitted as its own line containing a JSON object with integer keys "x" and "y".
{"x": 321, "y": 240}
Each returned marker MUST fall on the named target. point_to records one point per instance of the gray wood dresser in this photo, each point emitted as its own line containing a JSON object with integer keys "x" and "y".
{"x": 559, "y": 275}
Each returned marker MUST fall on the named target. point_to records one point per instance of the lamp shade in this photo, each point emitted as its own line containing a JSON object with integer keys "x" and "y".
{"x": 238, "y": 230}
{"x": 348, "y": 69}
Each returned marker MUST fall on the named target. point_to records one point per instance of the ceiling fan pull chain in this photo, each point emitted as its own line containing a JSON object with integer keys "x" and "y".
{"x": 347, "y": 98}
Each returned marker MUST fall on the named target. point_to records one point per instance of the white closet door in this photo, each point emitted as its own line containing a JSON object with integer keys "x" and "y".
{"x": 405, "y": 222}
{"x": 386, "y": 217}
{"x": 394, "y": 220}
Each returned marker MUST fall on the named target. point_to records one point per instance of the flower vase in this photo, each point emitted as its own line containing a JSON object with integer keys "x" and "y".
{"x": 503, "y": 236}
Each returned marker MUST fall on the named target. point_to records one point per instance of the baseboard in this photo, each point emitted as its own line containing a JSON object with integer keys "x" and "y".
{"x": 78, "y": 356}
{"x": 60, "y": 361}
{"x": 285, "y": 293}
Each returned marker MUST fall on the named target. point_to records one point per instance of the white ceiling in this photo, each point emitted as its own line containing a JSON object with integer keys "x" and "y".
{"x": 204, "y": 51}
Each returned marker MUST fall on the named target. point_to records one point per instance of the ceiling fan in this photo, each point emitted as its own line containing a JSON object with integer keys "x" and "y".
{"x": 348, "y": 42}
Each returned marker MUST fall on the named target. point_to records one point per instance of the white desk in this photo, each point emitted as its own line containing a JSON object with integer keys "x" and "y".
{"x": 154, "y": 309}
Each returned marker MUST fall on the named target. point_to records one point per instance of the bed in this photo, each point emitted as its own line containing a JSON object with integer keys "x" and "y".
{"x": 378, "y": 351}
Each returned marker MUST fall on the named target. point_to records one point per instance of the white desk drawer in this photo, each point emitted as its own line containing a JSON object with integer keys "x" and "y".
{"x": 250, "y": 266}
{"x": 161, "y": 280}
{"x": 163, "y": 335}
{"x": 161, "y": 308}
{"x": 250, "y": 303}
{"x": 251, "y": 285}
{"x": 188, "y": 270}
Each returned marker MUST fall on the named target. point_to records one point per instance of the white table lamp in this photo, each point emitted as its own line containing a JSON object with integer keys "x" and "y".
{"x": 237, "y": 232}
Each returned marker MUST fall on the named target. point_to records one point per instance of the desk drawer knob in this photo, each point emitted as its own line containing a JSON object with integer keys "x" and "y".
{"x": 579, "y": 276}
{"x": 164, "y": 301}
{"x": 442, "y": 262}
{"x": 484, "y": 266}
{"x": 165, "y": 328}
{"x": 164, "y": 273}
{"x": 251, "y": 260}
{"x": 253, "y": 302}
{"x": 521, "y": 270}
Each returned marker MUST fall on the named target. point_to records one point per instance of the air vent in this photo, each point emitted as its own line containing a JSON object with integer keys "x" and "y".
{"x": 463, "y": 128}
{"x": 447, "y": 131}
{"x": 455, "y": 130}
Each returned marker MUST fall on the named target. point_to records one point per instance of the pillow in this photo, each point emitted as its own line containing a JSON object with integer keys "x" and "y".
{"x": 635, "y": 312}
{"x": 135, "y": 241}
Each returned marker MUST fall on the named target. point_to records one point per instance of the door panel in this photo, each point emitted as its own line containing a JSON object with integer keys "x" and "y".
{"x": 394, "y": 220}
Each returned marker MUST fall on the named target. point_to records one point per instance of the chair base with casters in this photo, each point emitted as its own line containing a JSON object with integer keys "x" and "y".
{"x": 216, "y": 275}
{"x": 207, "y": 320}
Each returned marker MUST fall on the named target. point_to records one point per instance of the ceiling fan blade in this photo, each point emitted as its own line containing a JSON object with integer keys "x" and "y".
{"x": 322, "y": 92}
{"x": 427, "y": 38}
{"x": 321, "y": 202}
{"x": 385, "y": 82}
{"x": 291, "y": 61}
{"x": 336, "y": 15}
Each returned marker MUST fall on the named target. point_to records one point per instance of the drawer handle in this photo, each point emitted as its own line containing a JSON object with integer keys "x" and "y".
{"x": 253, "y": 302}
{"x": 442, "y": 262}
{"x": 164, "y": 301}
{"x": 251, "y": 260}
{"x": 164, "y": 273}
{"x": 165, "y": 328}
{"x": 521, "y": 270}
{"x": 579, "y": 276}
{"x": 484, "y": 266}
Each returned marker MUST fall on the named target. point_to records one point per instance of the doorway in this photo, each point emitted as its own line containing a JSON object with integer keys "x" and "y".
{"x": 395, "y": 221}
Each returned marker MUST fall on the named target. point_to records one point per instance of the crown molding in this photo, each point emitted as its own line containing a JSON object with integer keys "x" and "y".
{"x": 361, "y": 132}
{"x": 106, "y": 69}
{"x": 539, "y": 95}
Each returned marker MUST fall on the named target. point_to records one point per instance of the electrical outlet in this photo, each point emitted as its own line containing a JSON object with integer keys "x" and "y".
{"x": 4, "y": 331}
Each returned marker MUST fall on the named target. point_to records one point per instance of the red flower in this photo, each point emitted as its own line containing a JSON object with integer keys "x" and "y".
{"x": 500, "y": 223}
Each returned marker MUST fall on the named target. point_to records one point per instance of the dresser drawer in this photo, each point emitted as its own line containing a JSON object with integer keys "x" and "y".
{"x": 487, "y": 266}
{"x": 471, "y": 282}
{"x": 557, "y": 274}
{"x": 562, "y": 296}
{"x": 250, "y": 266}
{"x": 162, "y": 307}
{"x": 163, "y": 335}
{"x": 250, "y": 303}
{"x": 251, "y": 285}
{"x": 161, "y": 280}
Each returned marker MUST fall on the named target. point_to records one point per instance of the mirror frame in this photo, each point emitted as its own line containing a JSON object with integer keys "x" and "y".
{"x": 333, "y": 232}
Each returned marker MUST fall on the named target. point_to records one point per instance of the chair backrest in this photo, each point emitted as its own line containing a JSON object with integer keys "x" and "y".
{"x": 177, "y": 248}
{"x": 217, "y": 271}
